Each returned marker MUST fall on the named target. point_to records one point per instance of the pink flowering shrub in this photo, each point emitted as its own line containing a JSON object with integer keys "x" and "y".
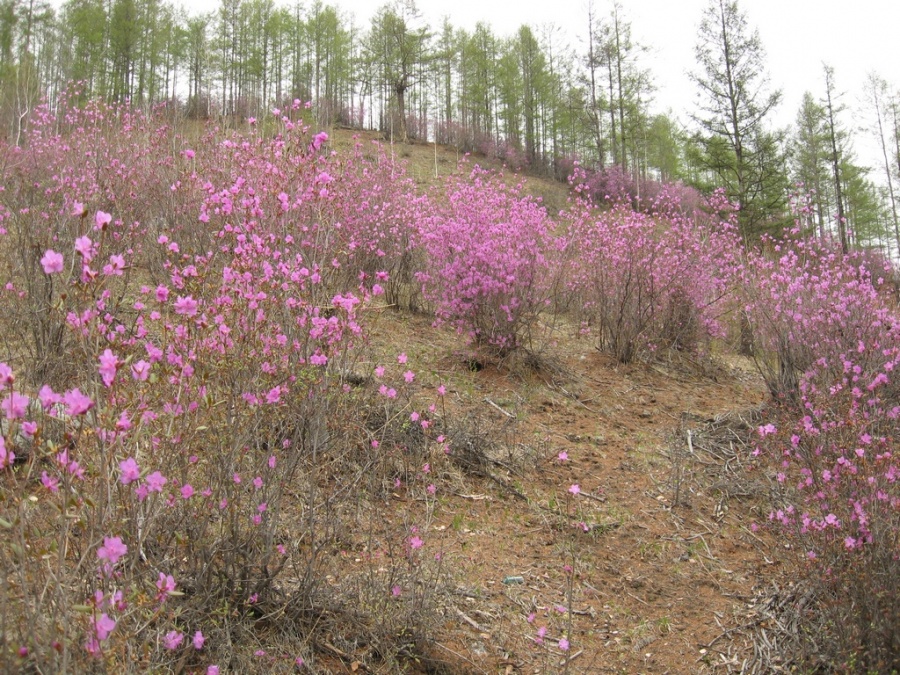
{"x": 491, "y": 255}
{"x": 644, "y": 281}
{"x": 836, "y": 464}
{"x": 612, "y": 186}
{"x": 828, "y": 348}
{"x": 79, "y": 165}
{"x": 189, "y": 375}
{"x": 375, "y": 218}
{"x": 807, "y": 305}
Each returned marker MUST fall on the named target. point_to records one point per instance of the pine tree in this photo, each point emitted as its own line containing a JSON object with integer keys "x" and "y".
{"x": 734, "y": 105}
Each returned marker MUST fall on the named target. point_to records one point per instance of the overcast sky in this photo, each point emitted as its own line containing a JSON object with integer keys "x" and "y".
{"x": 854, "y": 37}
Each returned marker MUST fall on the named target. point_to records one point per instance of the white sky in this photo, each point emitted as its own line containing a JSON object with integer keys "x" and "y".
{"x": 855, "y": 38}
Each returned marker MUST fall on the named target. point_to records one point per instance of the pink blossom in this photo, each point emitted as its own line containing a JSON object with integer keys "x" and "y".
{"x": 575, "y": 489}
{"x": 115, "y": 266}
{"x": 52, "y": 262}
{"x": 85, "y": 247}
{"x": 129, "y": 471}
{"x": 6, "y": 375}
{"x": 108, "y": 365}
{"x": 564, "y": 644}
{"x": 165, "y": 584}
{"x": 186, "y": 306}
{"x": 415, "y": 542}
{"x": 7, "y": 457}
{"x": 409, "y": 376}
{"x": 140, "y": 371}
{"x": 112, "y": 550}
{"x": 173, "y": 640}
{"x": 48, "y": 397}
{"x": 76, "y": 403}
{"x": 155, "y": 482}
{"x": 103, "y": 626}
{"x": 198, "y": 640}
{"x": 15, "y": 405}
{"x": 47, "y": 480}
{"x": 101, "y": 220}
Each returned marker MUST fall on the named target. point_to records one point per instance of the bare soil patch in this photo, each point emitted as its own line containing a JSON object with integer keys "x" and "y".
{"x": 652, "y": 567}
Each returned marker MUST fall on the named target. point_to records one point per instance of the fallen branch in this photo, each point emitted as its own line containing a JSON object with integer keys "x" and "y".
{"x": 491, "y": 403}
{"x": 472, "y": 622}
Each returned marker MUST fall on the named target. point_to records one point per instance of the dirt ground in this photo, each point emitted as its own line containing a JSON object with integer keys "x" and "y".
{"x": 651, "y": 567}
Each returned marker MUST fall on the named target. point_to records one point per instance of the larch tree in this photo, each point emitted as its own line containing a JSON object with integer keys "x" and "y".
{"x": 197, "y": 46}
{"x": 397, "y": 48}
{"x": 532, "y": 65}
{"x": 664, "y": 147}
{"x": 593, "y": 63}
{"x": 877, "y": 93}
{"x": 836, "y": 150}
{"x": 627, "y": 84}
{"x": 734, "y": 105}
{"x": 809, "y": 160}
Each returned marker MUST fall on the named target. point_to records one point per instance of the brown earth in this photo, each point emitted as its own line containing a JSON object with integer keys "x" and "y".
{"x": 651, "y": 568}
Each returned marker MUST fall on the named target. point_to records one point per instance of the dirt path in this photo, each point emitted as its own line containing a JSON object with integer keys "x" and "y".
{"x": 634, "y": 585}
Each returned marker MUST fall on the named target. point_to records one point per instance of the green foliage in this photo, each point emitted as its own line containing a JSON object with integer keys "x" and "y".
{"x": 739, "y": 152}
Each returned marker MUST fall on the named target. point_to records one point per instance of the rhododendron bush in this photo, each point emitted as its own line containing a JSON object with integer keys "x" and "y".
{"x": 181, "y": 332}
{"x": 647, "y": 281}
{"x": 836, "y": 468}
{"x": 808, "y": 305}
{"x": 492, "y": 264}
{"x": 828, "y": 347}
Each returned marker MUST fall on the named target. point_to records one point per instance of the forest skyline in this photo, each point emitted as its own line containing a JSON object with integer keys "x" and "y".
{"x": 798, "y": 41}
{"x": 533, "y": 98}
